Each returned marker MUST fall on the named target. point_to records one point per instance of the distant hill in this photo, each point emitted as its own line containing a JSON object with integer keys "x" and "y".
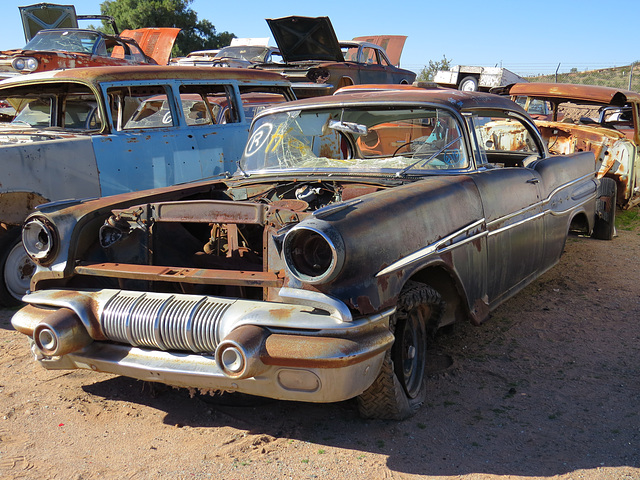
{"x": 617, "y": 77}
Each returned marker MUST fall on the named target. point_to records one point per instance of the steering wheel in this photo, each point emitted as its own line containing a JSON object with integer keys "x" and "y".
{"x": 405, "y": 145}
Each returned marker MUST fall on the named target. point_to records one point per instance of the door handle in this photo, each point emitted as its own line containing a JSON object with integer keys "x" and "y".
{"x": 533, "y": 181}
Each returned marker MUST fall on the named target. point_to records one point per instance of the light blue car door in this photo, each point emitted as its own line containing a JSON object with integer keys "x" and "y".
{"x": 161, "y": 138}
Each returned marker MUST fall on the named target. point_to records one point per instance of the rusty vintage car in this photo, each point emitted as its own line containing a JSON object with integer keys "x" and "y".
{"x": 71, "y": 47}
{"x": 82, "y": 133}
{"x": 356, "y": 226}
{"x": 317, "y": 63}
{"x": 604, "y": 120}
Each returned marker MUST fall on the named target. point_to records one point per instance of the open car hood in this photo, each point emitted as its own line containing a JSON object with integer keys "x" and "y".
{"x": 306, "y": 38}
{"x": 392, "y": 44}
{"x": 43, "y": 16}
{"x": 155, "y": 42}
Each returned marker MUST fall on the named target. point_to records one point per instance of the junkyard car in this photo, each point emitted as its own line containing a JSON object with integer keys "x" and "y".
{"x": 245, "y": 52}
{"x": 317, "y": 64}
{"x": 356, "y": 226}
{"x": 73, "y": 47}
{"x": 604, "y": 120}
{"x": 82, "y": 133}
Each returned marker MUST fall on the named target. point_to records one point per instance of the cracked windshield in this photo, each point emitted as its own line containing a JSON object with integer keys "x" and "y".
{"x": 397, "y": 140}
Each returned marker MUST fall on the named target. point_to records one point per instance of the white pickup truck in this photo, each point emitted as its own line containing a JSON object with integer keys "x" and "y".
{"x": 472, "y": 79}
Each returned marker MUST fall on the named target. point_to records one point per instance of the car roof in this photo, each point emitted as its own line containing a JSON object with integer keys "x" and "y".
{"x": 96, "y": 75}
{"x": 449, "y": 98}
{"x": 569, "y": 91}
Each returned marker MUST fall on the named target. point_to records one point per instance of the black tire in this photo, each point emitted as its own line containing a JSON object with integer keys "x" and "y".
{"x": 604, "y": 227}
{"x": 399, "y": 390}
{"x": 16, "y": 269}
{"x": 468, "y": 84}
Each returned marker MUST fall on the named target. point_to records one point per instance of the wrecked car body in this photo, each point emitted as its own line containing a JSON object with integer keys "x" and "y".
{"x": 85, "y": 133}
{"x": 356, "y": 227}
{"x": 317, "y": 64}
{"x": 73, "y": 47}
{"x": 603, "y": 120}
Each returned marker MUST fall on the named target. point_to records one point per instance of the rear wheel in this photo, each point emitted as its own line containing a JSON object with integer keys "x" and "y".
{"x": 399, "y": 390}
{"x": 604, "y": 227}
{"x": 16, "y": 269}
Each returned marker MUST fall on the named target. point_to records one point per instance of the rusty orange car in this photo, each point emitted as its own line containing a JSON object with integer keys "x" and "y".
{"x": 54, "y": 41}
{"x": 603, "y": 120}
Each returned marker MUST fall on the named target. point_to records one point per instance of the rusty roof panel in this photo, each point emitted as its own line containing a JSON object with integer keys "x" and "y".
{"x": 96, "y": 75}
{"x": 586, "y": 93}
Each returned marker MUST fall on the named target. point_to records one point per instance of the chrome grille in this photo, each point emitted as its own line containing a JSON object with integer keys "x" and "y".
{"x": 163, "y": 321}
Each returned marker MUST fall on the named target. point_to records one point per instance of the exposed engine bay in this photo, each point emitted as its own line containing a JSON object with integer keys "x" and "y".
{"x": 234, "y": 231}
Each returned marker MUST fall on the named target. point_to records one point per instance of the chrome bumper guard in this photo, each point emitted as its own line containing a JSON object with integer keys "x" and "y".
{"x": 278, "y": 350}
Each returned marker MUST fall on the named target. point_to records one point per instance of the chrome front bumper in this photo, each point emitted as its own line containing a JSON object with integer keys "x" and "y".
{"x": 308, "y": 349}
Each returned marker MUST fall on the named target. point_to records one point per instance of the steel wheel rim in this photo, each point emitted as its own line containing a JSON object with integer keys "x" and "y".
{"x": 18, "y": 270}
{"x": 411, "y": 354}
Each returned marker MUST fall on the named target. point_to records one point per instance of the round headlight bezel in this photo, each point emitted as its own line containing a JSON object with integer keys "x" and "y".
{"x": 25, "y": 64}
{"x": 40, "y": 240}
{"x": 299, "y": 245}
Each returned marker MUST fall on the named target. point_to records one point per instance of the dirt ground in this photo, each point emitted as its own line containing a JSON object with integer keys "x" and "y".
{"x": 547, "y": 388}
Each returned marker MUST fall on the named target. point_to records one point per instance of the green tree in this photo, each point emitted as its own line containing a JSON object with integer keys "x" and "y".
{"x": 195, "y": 34}
{"x": 429, "y": 71}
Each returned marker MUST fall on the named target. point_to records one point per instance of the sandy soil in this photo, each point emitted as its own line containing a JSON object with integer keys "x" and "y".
{"x": 548, "y": 388}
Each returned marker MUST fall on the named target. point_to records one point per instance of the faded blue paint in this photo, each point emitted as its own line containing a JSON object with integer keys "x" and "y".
{"x": 137, "y": 160}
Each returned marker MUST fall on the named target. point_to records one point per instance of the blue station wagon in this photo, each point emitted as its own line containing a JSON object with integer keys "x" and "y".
{"x": 90, "y": 132}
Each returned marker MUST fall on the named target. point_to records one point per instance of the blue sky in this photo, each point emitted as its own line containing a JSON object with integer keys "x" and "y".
{"x": 526, "y": 37}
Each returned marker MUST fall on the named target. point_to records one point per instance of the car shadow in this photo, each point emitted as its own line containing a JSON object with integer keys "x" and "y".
{"x": 479, "y": 418}
{"x": 5, "y": 316}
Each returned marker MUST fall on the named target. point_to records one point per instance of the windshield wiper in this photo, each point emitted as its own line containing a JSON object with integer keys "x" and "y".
{"x": 442, "y": 149}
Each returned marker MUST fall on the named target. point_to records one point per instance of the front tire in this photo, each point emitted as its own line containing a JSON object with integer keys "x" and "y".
{"x": 399, "y": 390}
{"x": 16, "y": 269}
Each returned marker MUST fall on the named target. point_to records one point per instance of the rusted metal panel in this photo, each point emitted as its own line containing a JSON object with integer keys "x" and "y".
{"x": 586, "y": 93}
{"x": 392, "y": 45}
{"x": 154, "y": 41}
{"x": 38, "y": 172}
{"x": 186, "y": 275}
{"x": 209, "y": 211}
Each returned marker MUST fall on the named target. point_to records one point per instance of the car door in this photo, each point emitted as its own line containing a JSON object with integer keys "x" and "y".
{"x": 161, "y": 136}
{"x": 512, "y": 203}
{"x": 374, "y": 68}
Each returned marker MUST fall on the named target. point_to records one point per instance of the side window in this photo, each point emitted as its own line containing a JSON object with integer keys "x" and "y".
{"x": 504, "y": 140}
{"x": 81, "y": 113}
{"x": 34, "y": 112}
{"x": 350, "y": 54}
{"x": 369, "y": 56}
{"x": 208, "y": 104}
{"x": 136, "y": 107}
{"x": 72, "y": 107}
{"x": 256, "y": 98}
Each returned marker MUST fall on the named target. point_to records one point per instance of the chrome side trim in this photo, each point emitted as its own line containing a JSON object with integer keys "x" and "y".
{"x": 516, "y": 224}
{"x": 443, "y": 244}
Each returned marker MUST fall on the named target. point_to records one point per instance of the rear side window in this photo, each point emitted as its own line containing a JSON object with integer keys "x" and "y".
{"x": 504, "y": 139}
{"x": 137, "y": 107}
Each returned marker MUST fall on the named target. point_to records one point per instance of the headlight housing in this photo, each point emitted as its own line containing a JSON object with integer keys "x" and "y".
{"x": 40, "y": 240}
{"x": 318, "y": 75}
{"x": 28, "y": 64}
{"x": 313, "y": 255}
